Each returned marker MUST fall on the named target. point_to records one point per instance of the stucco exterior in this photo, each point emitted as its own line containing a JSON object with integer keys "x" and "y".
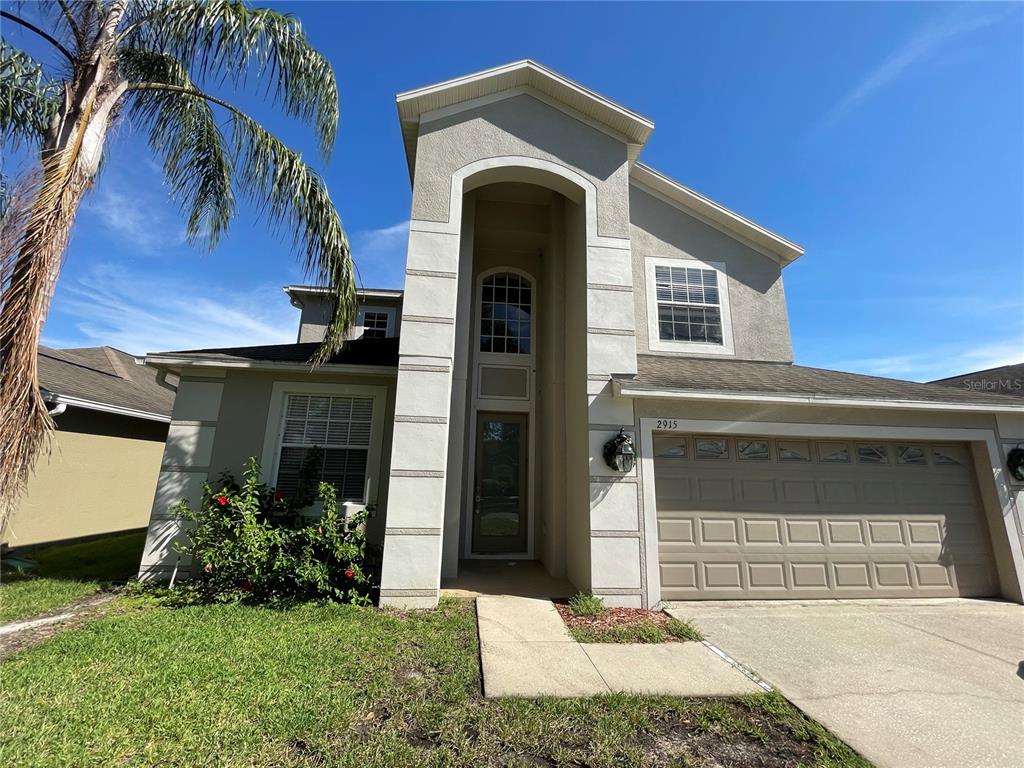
{"x": 508, "y": 181}
{"x": 98, "y": 479}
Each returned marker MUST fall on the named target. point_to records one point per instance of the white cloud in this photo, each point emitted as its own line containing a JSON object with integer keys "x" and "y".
{"x": 380, "y": 255}
{"x": 140, "y": 312}
{"x": 135, "y": 213}
{"x": 940, "y": 361}
{"x": 919, "y": 46}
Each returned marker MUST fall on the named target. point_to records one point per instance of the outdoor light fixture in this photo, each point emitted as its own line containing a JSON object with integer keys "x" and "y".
{"x": 619, "y": 453}
{"x": 1014, "y": 461}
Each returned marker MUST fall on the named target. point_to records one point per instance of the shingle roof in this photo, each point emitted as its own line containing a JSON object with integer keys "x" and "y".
{"x": 744, "y": 376}
{"x": 356, "y": 352}
{"x": 103, "y": 375}
{"x": 1006, "y": 380}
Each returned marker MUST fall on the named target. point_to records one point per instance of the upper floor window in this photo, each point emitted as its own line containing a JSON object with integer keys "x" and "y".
{"x": 375, "y": 322}
{"x": 375, "y": 325}
{"x": 688, "y": 309}
{"x": 506, "y": 304}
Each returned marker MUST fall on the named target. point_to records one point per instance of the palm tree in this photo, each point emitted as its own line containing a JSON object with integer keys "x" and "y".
{"x": 151, "y": 61}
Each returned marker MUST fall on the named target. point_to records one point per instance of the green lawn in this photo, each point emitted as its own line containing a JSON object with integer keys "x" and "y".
{"x": 328, "y": 685}
{"x": 67, "y": 572}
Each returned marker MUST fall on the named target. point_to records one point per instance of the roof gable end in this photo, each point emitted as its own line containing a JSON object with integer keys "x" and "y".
{"x": 715, "y": 214}
{"x": 526, "y": 76}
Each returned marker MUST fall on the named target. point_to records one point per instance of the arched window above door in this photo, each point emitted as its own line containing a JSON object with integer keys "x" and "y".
{"x": 506, "y": 314}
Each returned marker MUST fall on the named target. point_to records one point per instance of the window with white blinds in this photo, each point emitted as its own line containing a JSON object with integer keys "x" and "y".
{"x": 340, "y": 427}
{"x": 689, "y": 308}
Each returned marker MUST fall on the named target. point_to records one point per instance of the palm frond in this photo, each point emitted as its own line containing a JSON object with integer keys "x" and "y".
{"x": 292, "y": 197}
{"x": 183, "y": 130}
{"x": 229, "y": 40}
{"x": 28, "y": 99}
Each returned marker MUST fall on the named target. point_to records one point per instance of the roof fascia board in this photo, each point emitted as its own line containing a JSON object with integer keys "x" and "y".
{"x": 673, "y": 193}
{"x": 93, "y": 405}
{"x": 623, "y": 389}
{"x": 164, "y": 361}
{"x": 535, "y": 68}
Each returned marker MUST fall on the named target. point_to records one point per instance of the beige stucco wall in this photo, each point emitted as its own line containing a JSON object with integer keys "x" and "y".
{"x": 520, "y": 126}
{"x": 242, "y": 426}
{"x": 98, "y": 479}
{"x": 757, "y": 301}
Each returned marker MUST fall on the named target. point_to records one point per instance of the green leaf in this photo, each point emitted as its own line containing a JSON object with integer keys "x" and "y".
{"x": 28, "y": 99}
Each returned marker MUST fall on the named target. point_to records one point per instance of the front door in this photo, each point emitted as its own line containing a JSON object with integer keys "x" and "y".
{"x": 499, "y": 503}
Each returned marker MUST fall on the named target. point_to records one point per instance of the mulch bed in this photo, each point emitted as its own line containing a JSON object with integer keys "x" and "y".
{"x": 611, "y": 619}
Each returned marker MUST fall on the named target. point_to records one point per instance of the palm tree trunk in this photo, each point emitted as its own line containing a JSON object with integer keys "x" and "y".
{"x": 34, "y": 250}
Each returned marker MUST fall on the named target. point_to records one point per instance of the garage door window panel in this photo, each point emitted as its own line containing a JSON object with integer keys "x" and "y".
{"x": 913, "y": 455}
{"x": 752, "y": 450}
{"x": 834, "y": 453}
{"x": 794, "y": 450}
{"x": 712, "y": 448}
{"x": 872, "y": 454}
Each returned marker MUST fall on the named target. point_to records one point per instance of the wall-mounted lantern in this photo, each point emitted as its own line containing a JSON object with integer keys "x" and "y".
{"x": 619, "y": 453}
{"x": 1014, "y": 462}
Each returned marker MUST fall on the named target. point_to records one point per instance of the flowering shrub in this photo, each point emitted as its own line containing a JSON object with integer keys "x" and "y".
{"x": 251, "y": 541}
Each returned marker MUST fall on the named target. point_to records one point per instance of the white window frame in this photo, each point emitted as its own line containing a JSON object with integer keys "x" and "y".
{"x": 361, "y": 317}
{"x": 654, "y": 340}
{"x": 270, "y": 459}
{"x": 504, "y": 358}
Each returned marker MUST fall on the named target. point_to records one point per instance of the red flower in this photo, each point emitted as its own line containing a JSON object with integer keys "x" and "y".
{"x": 222, "y": 500}
{"x": 246, "y": 586}
{"x": 279, "y": 496}
{"x": 208, "y": 567}
{"x": 349, "y": 573}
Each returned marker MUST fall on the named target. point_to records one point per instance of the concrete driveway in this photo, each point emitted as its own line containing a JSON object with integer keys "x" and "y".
{"x": 906, "y": 683}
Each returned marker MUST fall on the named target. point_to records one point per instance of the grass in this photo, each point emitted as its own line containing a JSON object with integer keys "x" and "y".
{"x": 683, "y": 630}
{"x": 644, "y": 631}
{"x": 330, "y": 685}
{"x": 582, "y": 604}
{"x": 66, "y": 572}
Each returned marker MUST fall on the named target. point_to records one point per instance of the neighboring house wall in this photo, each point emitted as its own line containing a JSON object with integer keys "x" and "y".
{"x": 98, "y": 479}
{"x": 757, "y": 300}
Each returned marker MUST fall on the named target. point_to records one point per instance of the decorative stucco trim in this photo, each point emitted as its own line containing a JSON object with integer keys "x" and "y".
{"x": 432, "y": 273}
{"x": 611, "y": 332}
{"x": 412, "y": 531}
{"x": 612, "y": 479}
{"x": 423, "y": 419}
{"x": 427, "y": 368}
{"x": 609, "y": 287}
{"x": 408, "y": 593}
{"x": 427, "y": 319}
{"x": 615, "y": 534}
{"x": 416, "y": 473}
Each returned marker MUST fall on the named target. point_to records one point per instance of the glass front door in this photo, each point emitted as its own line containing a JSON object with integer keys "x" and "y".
{"x": 499, "y": 504}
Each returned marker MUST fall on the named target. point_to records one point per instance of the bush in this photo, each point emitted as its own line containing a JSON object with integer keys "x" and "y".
{"x": 252, "y": 542}
{"x": 684, "y": 630}
{"x": 586, "y": 605}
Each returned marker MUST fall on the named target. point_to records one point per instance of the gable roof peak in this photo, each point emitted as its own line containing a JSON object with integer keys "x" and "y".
{"x": 523, "y": 76}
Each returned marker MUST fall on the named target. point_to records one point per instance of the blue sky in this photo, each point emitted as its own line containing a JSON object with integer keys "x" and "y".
{"x": 885, "y": 138}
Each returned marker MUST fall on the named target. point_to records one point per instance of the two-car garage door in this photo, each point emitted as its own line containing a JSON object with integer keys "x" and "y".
{"x": 765, "y": 518}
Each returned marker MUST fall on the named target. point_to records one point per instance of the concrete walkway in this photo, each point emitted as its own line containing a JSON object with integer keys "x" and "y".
{"x": 907, "y": 683}
{"x": 526, "y": 650}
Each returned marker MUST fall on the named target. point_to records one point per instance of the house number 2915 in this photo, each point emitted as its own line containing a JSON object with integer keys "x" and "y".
{"x": 667, "y": 424}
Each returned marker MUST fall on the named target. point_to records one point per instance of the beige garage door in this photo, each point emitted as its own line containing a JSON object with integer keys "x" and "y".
{"x": 759, "y": 518}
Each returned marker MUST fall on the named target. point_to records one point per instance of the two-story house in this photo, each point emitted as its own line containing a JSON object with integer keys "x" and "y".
{"x": 558, "y": 291}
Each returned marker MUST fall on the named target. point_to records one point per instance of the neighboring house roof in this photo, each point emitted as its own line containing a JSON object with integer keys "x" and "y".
{"x": 704, "y": 379}
{"x": 358, "y": 352}
{"x": 716, "y": 214}
{"x": 1005, "y": 380}
{"x": 510, "y": 80}
{"x": 103, "y": 379}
